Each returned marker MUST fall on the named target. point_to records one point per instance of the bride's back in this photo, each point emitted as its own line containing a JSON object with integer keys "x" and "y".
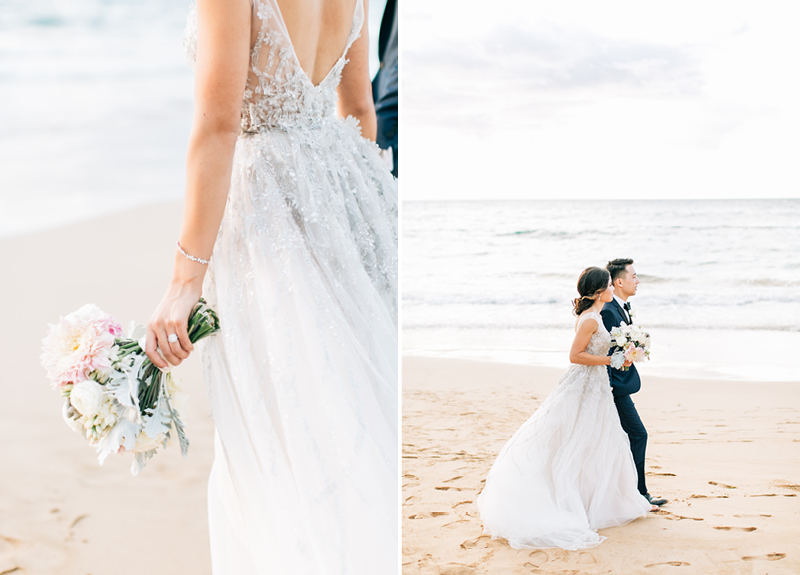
{"x": 319, "y": 31}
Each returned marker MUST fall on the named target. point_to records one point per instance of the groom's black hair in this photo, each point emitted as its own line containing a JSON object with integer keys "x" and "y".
{"x": 617, "y": 267}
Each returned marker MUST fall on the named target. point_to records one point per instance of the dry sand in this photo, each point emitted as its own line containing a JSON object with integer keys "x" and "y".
{"x": 726, "y": 455}
{"x": 60, "y": 512}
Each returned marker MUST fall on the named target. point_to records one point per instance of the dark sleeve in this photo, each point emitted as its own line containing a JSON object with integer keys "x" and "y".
{"x": 609, "y": 319}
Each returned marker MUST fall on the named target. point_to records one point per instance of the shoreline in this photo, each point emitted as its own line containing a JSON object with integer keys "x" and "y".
{"x": 700, "y": 353}
{"x": 717, "y": 451}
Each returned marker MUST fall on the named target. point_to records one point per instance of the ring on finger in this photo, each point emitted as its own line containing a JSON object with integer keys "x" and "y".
{"x": 173, "y": 337}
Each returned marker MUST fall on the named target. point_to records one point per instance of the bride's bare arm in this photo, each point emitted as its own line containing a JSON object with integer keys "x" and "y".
{"x": 578, "y": 354}
{"x": 355, "y": 89}
{"x": 220, "y": 78}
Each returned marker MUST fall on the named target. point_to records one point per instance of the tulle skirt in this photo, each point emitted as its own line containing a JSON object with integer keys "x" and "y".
{"x": 302, "y": 379}
{"x": 566, "y": 472}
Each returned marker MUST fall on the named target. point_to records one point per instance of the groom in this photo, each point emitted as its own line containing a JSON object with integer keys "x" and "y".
{"x": 624, "y": 383}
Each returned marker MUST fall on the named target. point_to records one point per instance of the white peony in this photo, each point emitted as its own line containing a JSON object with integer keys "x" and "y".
{"x": 87, "y": 397}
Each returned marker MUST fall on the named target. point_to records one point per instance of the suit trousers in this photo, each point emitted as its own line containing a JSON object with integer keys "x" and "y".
{"x": 637, "y": 434}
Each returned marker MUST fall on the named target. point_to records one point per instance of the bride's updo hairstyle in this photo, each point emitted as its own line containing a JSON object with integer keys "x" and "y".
{"x": 592, "y": 283}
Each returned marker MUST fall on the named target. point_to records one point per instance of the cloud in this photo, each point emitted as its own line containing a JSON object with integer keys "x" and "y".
{"x": 517, "y": 75}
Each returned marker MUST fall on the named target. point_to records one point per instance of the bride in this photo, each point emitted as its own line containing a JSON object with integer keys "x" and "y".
{"x": 568, "y": 470}
{"x": 290, "y": 219}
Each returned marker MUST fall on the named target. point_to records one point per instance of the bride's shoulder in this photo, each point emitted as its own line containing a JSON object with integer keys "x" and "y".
{"x": 588, "y": 316}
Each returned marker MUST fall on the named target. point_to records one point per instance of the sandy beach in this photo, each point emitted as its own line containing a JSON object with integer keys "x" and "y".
{"x": 724, "y": 453}
{"x": 60, "y": 512}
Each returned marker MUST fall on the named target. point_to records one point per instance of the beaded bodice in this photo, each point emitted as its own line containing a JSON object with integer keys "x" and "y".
{"x": 600, "y": 342}
{"x": 279, "y": 93}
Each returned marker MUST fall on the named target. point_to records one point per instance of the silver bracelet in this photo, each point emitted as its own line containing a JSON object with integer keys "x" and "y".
{"x": 187, "y": 256}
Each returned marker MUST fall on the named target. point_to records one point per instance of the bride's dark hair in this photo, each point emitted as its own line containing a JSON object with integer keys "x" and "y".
{"x": 592, "y": 283}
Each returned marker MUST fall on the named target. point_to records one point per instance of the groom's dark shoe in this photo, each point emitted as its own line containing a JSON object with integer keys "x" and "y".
{"x": 655, "y": 500}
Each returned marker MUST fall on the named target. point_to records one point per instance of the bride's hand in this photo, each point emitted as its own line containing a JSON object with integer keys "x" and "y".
{"x": 627, "y": 363}
{"x": 172, "y": 317}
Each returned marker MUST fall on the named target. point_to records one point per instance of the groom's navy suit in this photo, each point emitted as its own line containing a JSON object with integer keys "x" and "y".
{"x": 623, "y": 384}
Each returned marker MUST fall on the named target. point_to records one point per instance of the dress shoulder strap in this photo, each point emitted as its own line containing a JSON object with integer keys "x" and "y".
{"x": 589, "y": 314}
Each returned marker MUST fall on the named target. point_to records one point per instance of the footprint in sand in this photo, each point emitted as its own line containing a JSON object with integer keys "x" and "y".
{"x": 537, "y": 559}
{"x": 661, "y": 474}
{"x": 448, "y": 488}
{"x": 7, "y": 547}
{"x": 454, "y": 523}
{"x": 461, "y": 503}
{"x": 675, "y": 517}
{"x": 694, "y": 496}
{"x": 671, "y": 563}
{"x": 726, "y": 528}
{"x": 769, "y": 557}
{"x": 726, "y": 486}
{"x": 453, "y": 479}
{"x": 428, "y": 515}
{"x": 481, "y": 542}
{"x": 747, "y": 515}
{"x": 410, "y": 499}
{"x": 772, "y": 495}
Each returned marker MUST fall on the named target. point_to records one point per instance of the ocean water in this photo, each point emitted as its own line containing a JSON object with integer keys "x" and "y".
{"x": 97, "y": 102}
{"x": 719, "y": 292}
{"x": 96, "y": 107}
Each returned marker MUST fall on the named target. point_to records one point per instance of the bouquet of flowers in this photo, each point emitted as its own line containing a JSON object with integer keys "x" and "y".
{"x": 630, "y": 343}
{"x": 114, "y": 396}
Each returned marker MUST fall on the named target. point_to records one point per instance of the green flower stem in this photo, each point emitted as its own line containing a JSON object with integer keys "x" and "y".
{"x": 202, "y": 323}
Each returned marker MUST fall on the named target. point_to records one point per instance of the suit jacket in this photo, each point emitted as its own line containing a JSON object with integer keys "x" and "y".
{"x": 622, "y": 382}
{"x": 385, "y": 84}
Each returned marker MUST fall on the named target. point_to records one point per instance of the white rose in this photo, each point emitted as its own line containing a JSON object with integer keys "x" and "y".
{"x": 622, "y": 340}
{"x": 146, "y": 443}
{"x": 87, "y": 397}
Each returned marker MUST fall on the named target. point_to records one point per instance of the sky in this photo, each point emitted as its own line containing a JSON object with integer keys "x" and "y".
{"x": 613, "y": 99}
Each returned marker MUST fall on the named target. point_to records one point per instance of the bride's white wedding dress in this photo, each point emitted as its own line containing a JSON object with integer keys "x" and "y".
{"x": 302, "y": 378}
{"x": 568, "y": 470}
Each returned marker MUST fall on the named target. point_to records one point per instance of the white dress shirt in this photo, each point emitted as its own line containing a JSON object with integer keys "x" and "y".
{"x": 621, "y": 303}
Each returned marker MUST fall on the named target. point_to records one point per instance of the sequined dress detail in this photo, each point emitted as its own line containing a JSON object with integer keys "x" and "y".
{"x": 568, "y": 471}
{"x": 303, "y": 378}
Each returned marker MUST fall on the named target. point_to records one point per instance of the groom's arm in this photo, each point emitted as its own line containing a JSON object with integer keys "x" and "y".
{"x": 610, "y": 319}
